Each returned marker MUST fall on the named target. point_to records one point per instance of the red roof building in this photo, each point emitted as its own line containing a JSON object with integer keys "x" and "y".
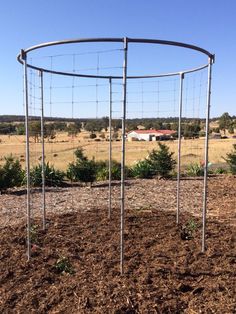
{"x": 150, "y": 135}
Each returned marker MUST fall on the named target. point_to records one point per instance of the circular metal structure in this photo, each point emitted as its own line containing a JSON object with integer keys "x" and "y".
{"x": 22, "y": 56}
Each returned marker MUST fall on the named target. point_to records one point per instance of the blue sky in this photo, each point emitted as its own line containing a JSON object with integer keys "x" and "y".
{"x": 208, "y": 24}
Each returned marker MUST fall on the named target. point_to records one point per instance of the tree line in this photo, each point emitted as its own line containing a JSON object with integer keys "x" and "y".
{"x": 191, "y": 128}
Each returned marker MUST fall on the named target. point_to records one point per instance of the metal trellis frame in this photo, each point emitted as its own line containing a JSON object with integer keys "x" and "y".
{"x": 22, "y": 58}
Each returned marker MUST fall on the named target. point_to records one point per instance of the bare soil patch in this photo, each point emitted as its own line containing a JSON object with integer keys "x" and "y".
{"x": 163, "y": 272}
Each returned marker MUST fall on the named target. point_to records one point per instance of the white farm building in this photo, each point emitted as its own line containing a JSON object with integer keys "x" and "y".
{"x": 150, "y": 135}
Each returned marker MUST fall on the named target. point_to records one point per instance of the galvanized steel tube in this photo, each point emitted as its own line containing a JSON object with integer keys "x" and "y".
{"x": 122, "y": 208}
{"x": 43, "y": 154}
{"x": 110, "y": 145}
{"x": 204, "y": 210}
{"x": 179, "y": 145}
{"x": 28, "y": 209}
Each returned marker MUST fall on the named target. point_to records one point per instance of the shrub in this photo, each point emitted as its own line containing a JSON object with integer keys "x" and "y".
{"x": 3, "y": 185}
{"x": 82, "y": 169}
{"x": 142, "y": 169}
{"x": 79, "y": 154}
{"x": 116, "y": 170}
{"x": 231, "y": 160}
{"x": 102, "y": 170}
{"x": 53, "y": 177}
{"x": 195, "y": 170}
{"x": 188, "y": 230}
{"x": 102, "y": 174}
{"x": 34, "y": 234}
{"x": 11, "y": 173}
{"x": 63, "y": 265}
{"x": 92, "y": 135}
{"x": 220, "y": 170}
{"x": 161, "y": 161}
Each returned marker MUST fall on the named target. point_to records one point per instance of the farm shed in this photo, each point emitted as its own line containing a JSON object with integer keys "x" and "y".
{"x": 216, "y": 136}
{"x": 150, "y": 135}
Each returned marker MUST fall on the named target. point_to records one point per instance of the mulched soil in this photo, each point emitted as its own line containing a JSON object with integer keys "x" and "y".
{"x": 163, "y": 271}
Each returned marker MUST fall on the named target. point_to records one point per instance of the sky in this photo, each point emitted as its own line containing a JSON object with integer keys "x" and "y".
{"x": 208, "y": 24}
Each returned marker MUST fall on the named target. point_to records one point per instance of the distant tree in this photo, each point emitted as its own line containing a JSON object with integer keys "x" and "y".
{"x": 130, "y": 126}
{"x": 59, "y": 126}
{"x": 105, "y": 123}
{"x": 93, "y": 126}
{"x": 35, "y": 130}
{"x": 7, "y": 128}
{"x": 191, "y": 130}
{"x": 49, "y": 131}
{"x": 167, "y": 126}
{"x": 225, "y": 121}
{"x": 20, "y": 129}
{"x": 115, "y": 135}
{"x": 148, "y": 125}
{"x": 116, "y": 124}
{"x": 74, "y": 128}
{"x": 231, "y": 128}
{"x": 216, "y": 130}
{"x": 174, "y": 126}
{"x": 158, "y": 125}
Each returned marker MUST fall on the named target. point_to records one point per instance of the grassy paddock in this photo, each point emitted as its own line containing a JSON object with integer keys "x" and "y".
{"x": 60, "y": 151}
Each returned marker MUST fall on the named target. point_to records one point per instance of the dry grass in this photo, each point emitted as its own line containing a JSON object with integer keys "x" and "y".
{"x": 60, "y": 151}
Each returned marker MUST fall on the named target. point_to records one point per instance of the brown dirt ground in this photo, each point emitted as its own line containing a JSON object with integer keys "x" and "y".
{"x": 163, "y": 272}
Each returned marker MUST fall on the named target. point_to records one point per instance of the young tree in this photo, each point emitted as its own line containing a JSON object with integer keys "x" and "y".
{"x": 161, "y": 161}
{"x": 53, "y": 177}
{"x": 83, "y": 169}
{"x": 231, "y": 160}
{"x": 11, "y": 173}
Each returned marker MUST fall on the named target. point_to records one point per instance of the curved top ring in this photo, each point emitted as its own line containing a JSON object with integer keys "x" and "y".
{"x": 23, "y": 55}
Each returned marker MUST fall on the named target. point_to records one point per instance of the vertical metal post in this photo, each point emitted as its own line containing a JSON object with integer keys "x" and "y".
{"x": 110, "y": 144}
{"x": 123, "y": 159}
{"x": 179, "y": 145}
{"x": 204, "y": 210}
{"x": 28, "y": 209}
{"x": 43, "y": 154}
